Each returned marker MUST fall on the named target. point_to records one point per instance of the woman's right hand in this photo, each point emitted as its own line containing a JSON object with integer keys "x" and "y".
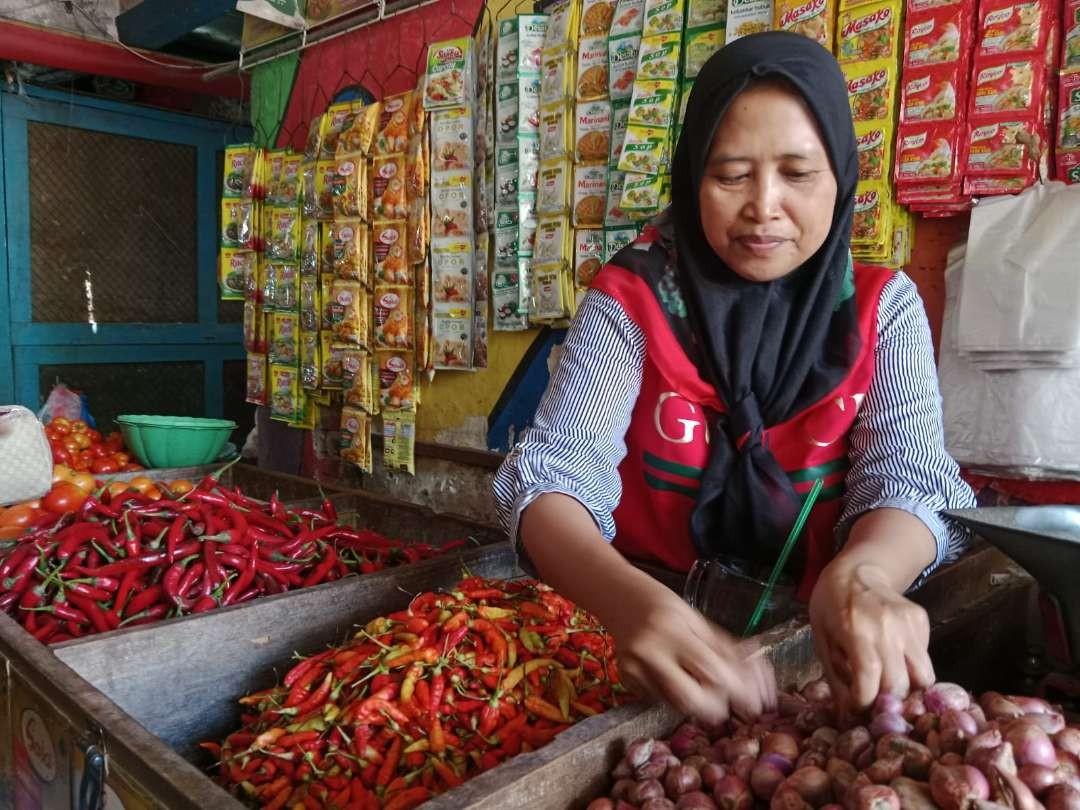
{"x": 669, "y": 651}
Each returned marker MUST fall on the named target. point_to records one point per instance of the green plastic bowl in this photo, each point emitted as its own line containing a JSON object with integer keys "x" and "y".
{"x": 174, "y": 441}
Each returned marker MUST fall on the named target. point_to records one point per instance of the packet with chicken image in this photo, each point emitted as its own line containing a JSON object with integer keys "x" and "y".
{"x": 937, "y": 36}
{"x": 355, "y": 438}
{"x": 392, "y": 135}
{"x": 653, "y": 104}
{"x": 698, "y": 47}
{"x": 1011, "y": 27}
{"x": 452, "y": 272}
{"x": 395, "y": 374}
{"x": 350, "y": 187}
{"x": 933, "y": 93}
{"x": 452, "y": 339}
{"x": 350, "y": 243}
{"x": 335, "y": 120}
{"x": 872, "y": 214}
{"x": 810, "y": 18}
{"x": 389, "y": 252}
{"x": 348, "y": 309}
{"x": 450, "y": 74}
{"x": 284, "y": 392}
{"x": 746, "y": 17}
{"x": 871, "y": 90}
{"x": 359, "y": 132}
{"x": 658, "y": 57}
{"x": 622, "y": 66}
{"x": 332, "y": 359}
{"x": 388, "y": 198}
{"x": 868, "y": 33}
{"x": 393, "y": 317}
{"x": 325, "y": 177}
{"x": 663, "y": 17}
{"x": 874, "y": 144}
{"x": 927, "y": 153}
{"x": 1001, "y": 148}
{"x": 357, "y": 380}
{"x": 592, "y": 68}
{"x": 1007, "y": 87}
{"x": 451, "y": 139}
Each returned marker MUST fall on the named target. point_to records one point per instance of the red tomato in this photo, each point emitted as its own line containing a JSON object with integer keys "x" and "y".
{"x": 115, "y": 440}
{"x": 20, "y": 515}
{"x": 104, "y": 466}
{"x": 133, "y": 468}
{"x": 95, "y": 436}
{"x": 99, "y": 450}
{"x": 84, "y": 481}
{"x": 180, "y": 487}
{"x": 79, "y": 426}
{"x": 140, "y": 483}
{"x": 52, "y": 435}
{"x": 71, "y": 445}
{"x": 121, "y": 458}
{"x": 82, "y": 440}
{"x": 61, "y": 425}
{"x": 60, "y": 455}
{"x": 64, "y": 497}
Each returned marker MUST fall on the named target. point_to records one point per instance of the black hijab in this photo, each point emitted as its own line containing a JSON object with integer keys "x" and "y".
{"x": 771, "y": 349}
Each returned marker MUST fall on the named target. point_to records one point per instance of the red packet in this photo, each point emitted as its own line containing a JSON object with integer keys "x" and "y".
{"x": 998, "y": 149}
{"x": 1012, "y": 27}
{"x": 934, "y": 93}
{"x": 937, "y": 36}
{"x": 928, "y": 154}
{"x": 1005, "y": 87}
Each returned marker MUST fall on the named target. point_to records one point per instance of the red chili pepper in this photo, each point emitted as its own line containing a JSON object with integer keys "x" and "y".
{"x": 320, "y": 571}
{"x": 84, "y": 590}
{"x": 204, "y": 604}
{"x": 152, "y": 614}
{"x": 46, "y": 629}
{"x": 241, "y": 583}
{"x": 389, "y": 766}
{"x": 214, "y": 572}
{"x": 317, "y": 698}
{"x": 172, "y": 540}
{"x": 438, "y": 687}
{"x": 144, "y": 599}
{"x": 77, "y": 535}
{"x": 92, "y": 611}
{"x": 64, "y": 611}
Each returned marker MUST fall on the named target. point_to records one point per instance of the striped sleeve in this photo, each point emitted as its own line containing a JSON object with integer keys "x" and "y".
{"x": 577, "y": 439}
{"x": 898, "y": 457}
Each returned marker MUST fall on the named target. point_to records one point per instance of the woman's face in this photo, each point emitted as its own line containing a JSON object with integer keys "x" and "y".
{"x": 768, "y": 191}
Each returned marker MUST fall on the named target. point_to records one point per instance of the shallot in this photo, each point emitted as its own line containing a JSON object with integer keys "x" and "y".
{"x": 1031, "y": 745}
{"x": 712, "y": 773}
{"x": 913, "y": 795}
{"x": 812, "y": 784}
{"x": 1012, "y": 791}
{"x": 884, "y": 724}
{"x": 1061, "y": 797}
{"x": 695, "y": 801}
{"x": 732, "y": 793}
{"x": 941, "y": 697}
{"x": 954, "y": 787}
{"x": 765, "y": 779}
{"x": 680, "y": 780}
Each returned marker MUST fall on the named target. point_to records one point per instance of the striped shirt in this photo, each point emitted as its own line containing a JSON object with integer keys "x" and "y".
{"x": 897, "y": 450}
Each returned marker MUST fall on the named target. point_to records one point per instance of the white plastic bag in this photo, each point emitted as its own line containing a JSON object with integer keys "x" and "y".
{"x": 26, "y": 471}
{"x": 62, "y": 402}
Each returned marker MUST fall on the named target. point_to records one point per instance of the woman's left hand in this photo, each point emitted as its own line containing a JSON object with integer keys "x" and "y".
{"x": 870, "y": 639}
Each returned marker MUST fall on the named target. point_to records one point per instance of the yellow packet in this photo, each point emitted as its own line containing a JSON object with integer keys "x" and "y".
{"x": 309, "y": 247}
{"x": 350, "y": 187}
{"x": 643, "y": 150}
{"x": 592, "y": 130}
{"x": 237, "y": 270}
{"x": 388, "y": 200}
{"x": 357, "y": 382}
{"x": 350, "y": 241}
{"x": 418, "y": 231}
{"x": 256, "y": 379}
{"x": 393, "y": 132}
{"x": 592, "y": 68}
{"x": 590, "y": 192}
{"x": 869, "y": 32}
{"x": 659, "y": 58}
{"x": 417, "y": 161}
{"x": 286, "y": 293}
{"x": 548, "y": 296}
{"x": 355, "y": 438}
{"x": 399, "y": 442}
{"x": 283, "y": 242}
{"x": 271, "y": 164}
{"x": 874, "y": 142}
{"x": 310, "y": 365}
{"x": 701, "y": 13}
{"x": 553, "y": 187}
{"x": 288, "y": 187}
{"x": 254, "y": 332}
{"x": 237, "y": 224}
{"x": 393, "y": 317}
{"x": 284, "y": 339}
{"x": 811, "y": 18}
{"x": 284, "y": 392}
{"x": 556, "y": 132}
{"x": 641, "y": 195}
{"x": 663, "y": 17}
{"x": 325, "y": 175}
{"x": 239, "y": 171}
{"x": 388, "y": 252}
{"x": 326, "y": 248}
{"x": 310, "y": 303}
{"x": 562, "y": 25}
{"x": 653, "y": 104}
{"x": 698, "y": 47}
{"x": 397, "y": 390}
{"x": 588, "y": 256}
{"x": 554, "y": 240}
{"x": 872, "y": 214}
{"x": 349, "y": 312}
{"x": 871, "y": 90}
{"x": 335, "y": 120}
{"x": 333, "y": 361}
{"x": 313, "y": 143}
{"x": 356, "y": 138}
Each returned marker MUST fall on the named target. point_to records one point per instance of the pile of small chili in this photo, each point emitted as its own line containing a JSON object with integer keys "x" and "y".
{"x": 126, "y": 559}
{"x": 421, "y": 700}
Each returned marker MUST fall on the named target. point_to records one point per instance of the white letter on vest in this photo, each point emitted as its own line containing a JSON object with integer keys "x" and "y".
{"x": 688, "y": 424}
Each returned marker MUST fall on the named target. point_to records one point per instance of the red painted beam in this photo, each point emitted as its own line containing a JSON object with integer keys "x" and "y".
{"x": 30, "y": 43}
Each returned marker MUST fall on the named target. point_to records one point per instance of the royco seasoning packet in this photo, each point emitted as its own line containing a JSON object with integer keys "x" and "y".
{"x": 450, "y": 72}
{"x": 745, "y": 17}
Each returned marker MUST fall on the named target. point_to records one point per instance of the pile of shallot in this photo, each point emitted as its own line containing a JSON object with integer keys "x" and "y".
{"x": 937, "y": 748}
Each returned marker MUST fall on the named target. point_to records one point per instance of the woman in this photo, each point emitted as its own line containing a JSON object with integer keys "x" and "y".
{"x": 718, "y": 366}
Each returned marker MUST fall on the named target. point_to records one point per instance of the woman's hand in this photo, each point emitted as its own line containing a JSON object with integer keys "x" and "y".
{"x": 669, "y": 651}
{"x": 870, "y": 639}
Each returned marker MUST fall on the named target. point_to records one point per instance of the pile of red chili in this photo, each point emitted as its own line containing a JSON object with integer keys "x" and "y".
{"x": 125, "y": 560}
{"x": 421, "y": 700}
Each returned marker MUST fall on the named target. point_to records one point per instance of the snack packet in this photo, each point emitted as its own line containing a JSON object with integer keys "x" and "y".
{"x": 355, "y": 438}
{"x": 506, "y": 236}
{"x": 336, "y": 119}
{"x": 284, "y": 392}
{"x": 1011, "y": 27}
{"x": 1007, "y": 86}
{"x": 310, "y": 366}
{"x": 452, "y": 338}
{"x": 592, "y": 68}
{"x": 933, "y": 93}
{"x": 562, "y": 26}
{"x": 451, "y": 139}
{"x": 873, "y": 141}
{"x": 450, "y": 69}
{"x": 532, "y": 32}
{"x": 596, "y": 17}
{"x": 452, "y": 271}
{"x": 451, "y": 204}
{"x": 1000, "y": 149}
{"x": 350, "y": 244}
{"x": 590, "y": 195}
{"x": 388, "y": 252}
{"x": 927, "y": 153}
{"x": 658, "y": 57}
{"x": 393, "y": 317}
{"x": 325, "y": 176}
{"x": 622, "y": 66}
{"x": 388, "y": 200}
{"x": 556, "y": 78}
{"x": 643, "y": 150}
{"x": 936, "y": 36}
{"x": 399, "y": 442}
{"x": 588, "y": 256}
{"x": 556, "y": 133}
{"x": 256, "y": 379}
{"x": 554, "y": 240}
{"x": 869, "y": 33}
{"x": 359, "y": 132}
{"x": 392, "y": 135}
{"x": 284, "y": 339}
{"x": 348, "y": 307}
{"x": 553, "y": 187}
{"x": 653, "y": 104}
{"x": 745, "y": 17}
{"x": 396, "y": 384}
{"x": 663, "y": 17}
{"x": 871, "y": 214}
{"x": 237, "y": 269}
{"x": 333, "y": 361}
{"x": 357, "y": 380}
{"x": 629, "y": 18}
{"x": 592, "y": 131}
{"x": 350, "y": 188}
{"x": 871, "y": 90}
{"x": 699, "y": 46}
{"x": 237, "y": 224}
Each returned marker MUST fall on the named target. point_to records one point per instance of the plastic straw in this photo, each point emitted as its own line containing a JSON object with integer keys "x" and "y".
{"x": 781, "y": 561}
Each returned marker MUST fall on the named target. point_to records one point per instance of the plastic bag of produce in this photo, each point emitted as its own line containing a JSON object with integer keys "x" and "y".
{"x": 26, "y": 473}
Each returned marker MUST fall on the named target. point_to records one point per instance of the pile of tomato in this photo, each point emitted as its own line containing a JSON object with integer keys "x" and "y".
{"x": 78, "y": 446}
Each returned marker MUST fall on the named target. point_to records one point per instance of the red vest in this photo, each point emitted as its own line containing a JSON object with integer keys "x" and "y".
{"x": 668, "y": 438}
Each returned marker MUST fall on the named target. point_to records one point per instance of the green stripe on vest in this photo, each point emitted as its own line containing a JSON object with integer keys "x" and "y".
{"x": 820, "y": 471}
{"x": 673, "y": 467}
{"x": 669, "y": 486}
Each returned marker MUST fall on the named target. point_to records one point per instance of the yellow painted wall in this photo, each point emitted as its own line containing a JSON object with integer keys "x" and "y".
{"x": 452, "y": 406}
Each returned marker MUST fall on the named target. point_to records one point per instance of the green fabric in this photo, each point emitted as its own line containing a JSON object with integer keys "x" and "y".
{"x": 673, "y": 467}
{"x": 271, "y": 87}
